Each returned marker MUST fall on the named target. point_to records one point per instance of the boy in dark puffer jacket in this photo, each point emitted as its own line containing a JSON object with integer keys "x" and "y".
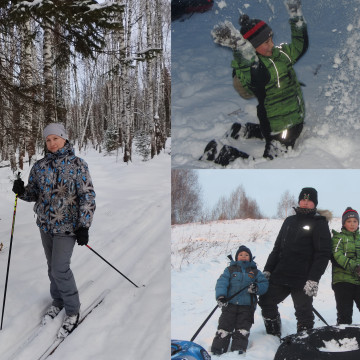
{"x": 237, "y": 315}
{"x": 301, "y": 253}
{"x": 346, "y": 266}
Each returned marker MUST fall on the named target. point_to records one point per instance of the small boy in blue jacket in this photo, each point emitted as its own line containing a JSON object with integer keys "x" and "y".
{"x": 237, "y": 314}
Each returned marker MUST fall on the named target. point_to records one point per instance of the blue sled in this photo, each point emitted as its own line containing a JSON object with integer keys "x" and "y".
{"x": 187, "y": 350}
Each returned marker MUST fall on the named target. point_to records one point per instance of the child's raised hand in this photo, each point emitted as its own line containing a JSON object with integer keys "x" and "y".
{"x": 293, "y": 7}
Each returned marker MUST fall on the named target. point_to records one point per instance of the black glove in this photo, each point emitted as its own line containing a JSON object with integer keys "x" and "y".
{"x": 82, "y": 236}
{"x": 222, "y": 302}
{"x": 253, "y": 288}
{"x": 18, "y": 187}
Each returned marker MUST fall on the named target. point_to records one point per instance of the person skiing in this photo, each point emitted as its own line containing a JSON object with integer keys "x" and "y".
{"x": 64, "y": 196}
{"x": 294, "y": 267}
{"x": 266, "y": 72}
{"x": 346, "y": 266}
{"x": 237, "y": 314}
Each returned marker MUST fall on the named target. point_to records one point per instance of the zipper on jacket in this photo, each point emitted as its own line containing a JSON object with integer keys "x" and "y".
{"x": 277, "y": 73}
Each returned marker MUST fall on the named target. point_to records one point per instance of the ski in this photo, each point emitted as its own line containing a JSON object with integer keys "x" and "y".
{"x": 38, "y": 329}
{"x": 57, "y": 341}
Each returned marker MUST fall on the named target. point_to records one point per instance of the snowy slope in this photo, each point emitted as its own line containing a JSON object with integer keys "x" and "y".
{"x": 204, "y": 103}
{"x": 199, "y": 256}
{"x": 130, "y": 230}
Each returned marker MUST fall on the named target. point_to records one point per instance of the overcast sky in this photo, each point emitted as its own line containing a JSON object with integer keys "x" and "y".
{"x": 337, "y": 189}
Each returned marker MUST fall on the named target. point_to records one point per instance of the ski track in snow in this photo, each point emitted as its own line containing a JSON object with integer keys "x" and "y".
{"x": 203, "y": 95}
{"x": 199, "y": 256}
{"x": 131, "y": 231}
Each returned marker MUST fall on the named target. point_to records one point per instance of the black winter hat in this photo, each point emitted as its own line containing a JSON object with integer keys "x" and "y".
{"x": 309, "y": 193}
{"x": 254, "y": 30}
{"x": 349, "y": 213}
{"x": 241, "y": 249}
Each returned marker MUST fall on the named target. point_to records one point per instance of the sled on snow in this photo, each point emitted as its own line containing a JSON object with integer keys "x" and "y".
{"x": 188, "y": 350}
{"x": 340, "y": 342}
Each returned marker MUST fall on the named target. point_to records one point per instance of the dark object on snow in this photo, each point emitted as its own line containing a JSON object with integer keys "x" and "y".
{"x": 228, "y": 154}
{"x": 187, "y": 350}
{"x": 182, "y": 7}
{"x": 314, "y": 344}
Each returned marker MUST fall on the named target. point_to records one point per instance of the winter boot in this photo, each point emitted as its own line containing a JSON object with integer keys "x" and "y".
{"x": 274, "y": 149}
{"x": 228, "y": 154}
{"x": 247, "y": 131}
{"x": 51, "y": 313}
{"x": 69, "y": 325}
{"x": 210, "y": 151}
{"x": 273, "y": 326}
{"x": 221, "y": 342}
{"x": 304, "y": 327}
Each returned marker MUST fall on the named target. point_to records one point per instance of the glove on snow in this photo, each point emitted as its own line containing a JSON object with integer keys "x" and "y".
{"x": 18, "y": 187}
{"x": 222, "y": 302}
{"x": 82, "y": 236}
{"x": 311, "y": 288}
{"x": 294, "y": 8}
{"x": 253, "y": 288}
{"x": 267, "y": 274}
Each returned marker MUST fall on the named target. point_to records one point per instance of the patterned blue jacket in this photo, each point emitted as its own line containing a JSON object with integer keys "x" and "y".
{"x": 61, "y": 186}
{"x": 238, "y": 275}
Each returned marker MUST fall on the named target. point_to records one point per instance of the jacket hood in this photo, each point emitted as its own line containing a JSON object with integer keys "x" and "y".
{"x": 327, "y": 214}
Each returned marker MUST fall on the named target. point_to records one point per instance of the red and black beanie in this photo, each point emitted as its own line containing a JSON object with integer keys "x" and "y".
{"x": 349, "y": 213}
{"x": 254, "y": 30}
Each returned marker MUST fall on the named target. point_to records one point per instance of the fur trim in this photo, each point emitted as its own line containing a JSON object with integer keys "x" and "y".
{"x": 326, "y": 213}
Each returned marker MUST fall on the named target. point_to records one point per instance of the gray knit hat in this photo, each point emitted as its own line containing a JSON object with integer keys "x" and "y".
{"x": 349, "y": 213}
{"x": 55, "y": 129}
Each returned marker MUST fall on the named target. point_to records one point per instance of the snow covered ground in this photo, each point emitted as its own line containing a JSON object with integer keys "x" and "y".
{"x": 199, "y": 256}
{"x": 204, "y": 103}
{"x": 131, "y": 230}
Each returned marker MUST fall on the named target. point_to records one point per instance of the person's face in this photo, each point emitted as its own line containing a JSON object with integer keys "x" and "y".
{"x": 266, "y": 48}
{"x": 243, "y": 256}
{"x": 306, "y": 204}
{"x": 351, "y": 224}
{"x": 54, "y": 143}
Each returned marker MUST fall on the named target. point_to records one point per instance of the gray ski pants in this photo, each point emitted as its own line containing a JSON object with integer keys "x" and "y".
{"x": 58, "y": 250}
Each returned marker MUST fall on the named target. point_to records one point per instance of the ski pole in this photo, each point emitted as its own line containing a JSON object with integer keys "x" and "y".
{"x": 111, "y": 265}
{"x": 319, "y": 316}
{"x": 212, "y": 312}
{"x": 9, "y": 258}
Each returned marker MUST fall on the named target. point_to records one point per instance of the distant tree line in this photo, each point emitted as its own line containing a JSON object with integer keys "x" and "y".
{"x": 102, "y": 69}
{"x": 187, "y": 204}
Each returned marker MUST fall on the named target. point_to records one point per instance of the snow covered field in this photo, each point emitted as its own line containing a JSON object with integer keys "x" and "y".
{"x": 199, "y": 256}
{"x": 204, "y": 103}
{"x": 131, "y": 230}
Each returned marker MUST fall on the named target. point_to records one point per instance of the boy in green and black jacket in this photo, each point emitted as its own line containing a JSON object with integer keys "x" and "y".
{"x": 266, "y": 72}
{"x": 346, "y": 266}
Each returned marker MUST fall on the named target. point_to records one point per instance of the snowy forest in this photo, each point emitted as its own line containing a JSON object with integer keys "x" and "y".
{"x": 100, "y": 68}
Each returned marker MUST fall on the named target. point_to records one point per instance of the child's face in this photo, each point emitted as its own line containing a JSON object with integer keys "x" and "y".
{"x": 266, "y": 48}
{"x": 306, "y": 204}
{"x": 351, "y": 224}
{"x": 243, "y": 256}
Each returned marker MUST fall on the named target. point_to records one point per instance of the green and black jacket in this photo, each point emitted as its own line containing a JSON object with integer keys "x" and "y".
{"x": 346, "y": 255}
{"x": 274, "y": 82}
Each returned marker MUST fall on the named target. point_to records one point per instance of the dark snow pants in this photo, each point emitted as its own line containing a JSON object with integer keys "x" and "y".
{"x": 345, "y": 295}
{"x": 235, "y": 322}
{"x": 58, "y": 250}
{"x": 302, "y": 303}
